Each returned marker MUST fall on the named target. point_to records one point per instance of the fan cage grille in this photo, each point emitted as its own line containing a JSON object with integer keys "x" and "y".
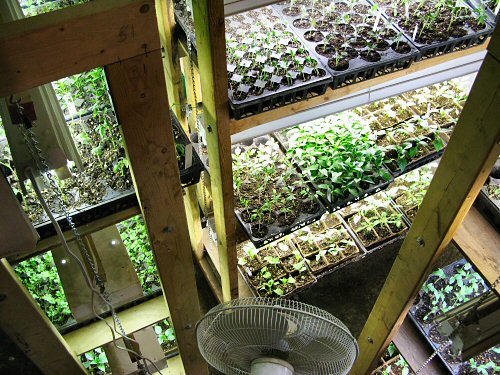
{"x": 313, "y": 341}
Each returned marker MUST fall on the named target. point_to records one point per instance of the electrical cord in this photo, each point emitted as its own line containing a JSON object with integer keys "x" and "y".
{"x": 88, "y": 281}
{"x": 41, "y": 164}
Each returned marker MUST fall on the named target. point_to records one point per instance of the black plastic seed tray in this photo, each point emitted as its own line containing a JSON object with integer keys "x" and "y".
{"x": 415, "y": 164}
{"x": 113, "y": 202}
{"x": 191, "y": 174}
{"x": 489, "y": 208}
{"x": 425, "y": 329}
{"x": 185, "y": 20}
{"x": 268, "y": 65}
{"x": 276, "y": 231}
{"x": 471, "y": 39}
{"x": 356, "y": 69}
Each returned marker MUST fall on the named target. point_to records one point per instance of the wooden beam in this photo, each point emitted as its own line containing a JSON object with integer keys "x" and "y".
{"x": 467, "y": 161}
{"x": 54, "y": 45}
{"x": 25, "y": 323}
{"x": 138, "y": 90}
{"x": 331, "y": 95}
{"x": 210, "y": 36}
{"x": 480, "y": 243}
{"x": 415, "y": 349}
{"x": 173, "y": 74}
{"x": 133, "y": 319}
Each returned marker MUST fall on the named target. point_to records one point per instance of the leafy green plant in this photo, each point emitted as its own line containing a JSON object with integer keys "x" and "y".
{"x": 165, "y": 334}
{"x": 134, "y": 236}
{"x": 338, "y": 154}
{"x": 96, "y": 361}
{"x": 39, "y": 275}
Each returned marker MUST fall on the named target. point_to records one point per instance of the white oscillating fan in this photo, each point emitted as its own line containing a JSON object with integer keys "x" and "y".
{"x": 266, "y": 336}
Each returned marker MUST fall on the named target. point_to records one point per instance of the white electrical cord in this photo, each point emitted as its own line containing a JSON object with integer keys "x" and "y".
{"x": 36, "y": 188}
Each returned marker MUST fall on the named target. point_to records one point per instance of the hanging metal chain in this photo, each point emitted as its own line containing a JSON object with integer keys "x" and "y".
{"x": 473, "y": 311}
{"x": 211, "y": 232}
{"x": 42, "y": 165}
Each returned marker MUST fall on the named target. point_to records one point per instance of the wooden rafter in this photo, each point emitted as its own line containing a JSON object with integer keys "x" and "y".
{"x": 140, "y": 97}
{"x": 26, "y": 325}
{"x": 211, "y": 47}
{"x": 54, "y": 45}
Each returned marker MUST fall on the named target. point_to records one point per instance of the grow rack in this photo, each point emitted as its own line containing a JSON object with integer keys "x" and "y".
{"x": 131, "y": 109}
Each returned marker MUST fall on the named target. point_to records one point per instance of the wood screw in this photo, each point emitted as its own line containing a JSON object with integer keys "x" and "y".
{"x": 144, "y": 8}
{"x": 420, "y": 241}
{"x": 3, "y": 297}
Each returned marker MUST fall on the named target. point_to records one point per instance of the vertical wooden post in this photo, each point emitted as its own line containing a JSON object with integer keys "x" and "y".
{"x": 211, "y": 47}
{"x": 140, "y": 98}
{"x": 470, "y": 155}
{"x": 26, "y": 325}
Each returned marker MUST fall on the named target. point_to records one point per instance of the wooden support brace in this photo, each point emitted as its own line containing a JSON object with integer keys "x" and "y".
{"x": 26, "y": 325}
{"x": 469, "y": 157}
{"x": 210, "y": 36}
{"x": 54, "y": 45}
{"x": 140, "y": 97}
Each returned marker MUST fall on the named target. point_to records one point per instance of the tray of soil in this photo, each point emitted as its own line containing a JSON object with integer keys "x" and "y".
{"x": 436, "y": 27}
{"x": 339, "y": 156}
{"x": 285, "y": 202}
{"x": 190, "y": 165}
{"x": 271, "y": 199}
{"x": 375, "y": 222}
{"x": 325, "y": 247}
{"x": 268, "y": 65}
{"x": 408, "y": 191}
{"x": 101, "y": 188}
{"x": 276, "y": 270}
{"x": 349, "y": 39}
{"x": 488, "y": 200}
{"x": 184, "y": 17}
{"x": 444, "y": 290}
{"x": 411, "y": 144}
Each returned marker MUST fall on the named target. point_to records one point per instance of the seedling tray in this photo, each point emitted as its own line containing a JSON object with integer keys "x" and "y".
{"x": 193, "y": 166}
{"x": 250, "y": 93}
{"x": 320, "y": 234}
{"x": 357, "y": 69}
{"x": 251, "y": 272}
{"x": 492, "y": 17}
{"x": 113, "y": 201}
{"x": 276, "y": 231}
{"x": 330, "y": 205}
{"x": 425, "y": 329}
{"x": 472, "y": 38}
{"x": 379, "y": 242}
{"x": 489, "y": 207}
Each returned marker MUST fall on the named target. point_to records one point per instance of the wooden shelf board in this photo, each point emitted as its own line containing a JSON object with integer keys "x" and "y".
{"x": 332, "y": 95}
{"x": 480, "y": 243}
{"x": 137, "y": 317}
{"x": 415, "y": 349}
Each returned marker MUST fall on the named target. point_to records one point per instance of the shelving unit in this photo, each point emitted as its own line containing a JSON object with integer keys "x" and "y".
{"x": 137, "y": 60}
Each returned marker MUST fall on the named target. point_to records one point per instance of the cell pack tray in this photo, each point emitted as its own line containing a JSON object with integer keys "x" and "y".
{"x": 349, "y": 39}
{"x": 465, "y": 34}
{"x": 268, "y": 65}
{"x": 271, "y": 199}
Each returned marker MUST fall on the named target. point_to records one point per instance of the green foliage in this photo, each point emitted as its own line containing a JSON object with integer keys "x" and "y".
{"x": 96, "y": 361}
{"x": 39, "y": 275}
{"x": 338, "y": 153}
{"x": 35, "y": 7}
{"x": 165, "y": 334}
{"x": 135, "y": 238}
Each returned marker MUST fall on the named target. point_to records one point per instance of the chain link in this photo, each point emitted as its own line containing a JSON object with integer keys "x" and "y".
{"x": 211, "y": 232}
